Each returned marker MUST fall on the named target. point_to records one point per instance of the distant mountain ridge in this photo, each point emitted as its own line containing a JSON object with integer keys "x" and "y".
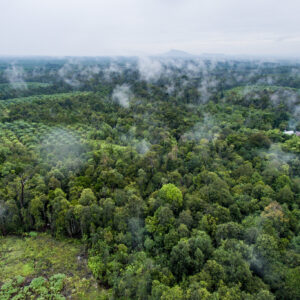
{"x": 182, "y": 54}
{"x": 176, "y": 53}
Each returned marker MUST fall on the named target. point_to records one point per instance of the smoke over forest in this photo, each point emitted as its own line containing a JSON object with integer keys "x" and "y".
{"x": 177, "y": 174}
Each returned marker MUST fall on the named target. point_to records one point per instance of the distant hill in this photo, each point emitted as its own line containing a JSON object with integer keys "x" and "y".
{"x": 176, "y": 53}
{"x": 182, "y": 54}
{"x": 213, "y": 55}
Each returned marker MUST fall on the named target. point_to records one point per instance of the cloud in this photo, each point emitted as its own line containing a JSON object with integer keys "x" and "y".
{"x": 118, "y": 27}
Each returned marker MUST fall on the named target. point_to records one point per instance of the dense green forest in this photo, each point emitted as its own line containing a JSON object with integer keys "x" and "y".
{"x": 180, "y": 178}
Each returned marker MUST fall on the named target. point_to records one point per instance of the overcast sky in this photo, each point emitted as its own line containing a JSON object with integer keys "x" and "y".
{"x": 130, "y": 27}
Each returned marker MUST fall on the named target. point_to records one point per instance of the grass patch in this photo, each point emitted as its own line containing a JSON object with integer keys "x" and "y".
{"x": 41, "y": 255}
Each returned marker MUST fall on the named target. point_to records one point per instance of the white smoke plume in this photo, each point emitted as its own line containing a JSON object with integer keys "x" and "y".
{"x": 67, "y": 74}
{"x": 208, "y": 85}
{"x": 149, "y": 68}
{"x": 170, "y": 89}
{"x": 143, "y": 146}
{"x": 207, "y": 129}
{"x": 113, "y": 69}
{"x": 277, "y": 155}
{"x": 88, "y": 71}
{"x": 122, "y": 95}
{"x": 15, "y": 75}
{"x": 73, "y": 72}
{"x": 63, "y": 149}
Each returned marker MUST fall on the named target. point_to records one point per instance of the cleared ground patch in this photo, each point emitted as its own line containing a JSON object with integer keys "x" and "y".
{"x": 44, "y": 256}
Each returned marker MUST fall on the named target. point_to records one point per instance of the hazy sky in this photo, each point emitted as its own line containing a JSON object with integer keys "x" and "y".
{"x": 129, "y": 27}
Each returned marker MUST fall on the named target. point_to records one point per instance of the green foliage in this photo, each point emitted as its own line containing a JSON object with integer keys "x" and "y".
{"x": 43, "y": 266}
{"x": 171, "y": 194}
{"x": 39, "y": 288}
{"x": 33, "y": 234}
{"x": 190, "y": 192}
{"x": 87, "y": 197}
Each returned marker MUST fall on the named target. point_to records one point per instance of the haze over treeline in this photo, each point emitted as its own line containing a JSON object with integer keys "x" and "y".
{"x": 142, "y": 27}
{"x": 173, "y": 176}
{"x": 150, "y": 150}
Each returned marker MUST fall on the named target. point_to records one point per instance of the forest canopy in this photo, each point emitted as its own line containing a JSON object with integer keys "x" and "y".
{"x": 179, "y": 176}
